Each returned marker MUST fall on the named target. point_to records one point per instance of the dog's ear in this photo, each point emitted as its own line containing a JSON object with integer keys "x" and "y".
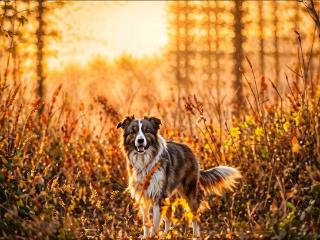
{"x": 125, "y": 122}
{"x": 155, "y": 121}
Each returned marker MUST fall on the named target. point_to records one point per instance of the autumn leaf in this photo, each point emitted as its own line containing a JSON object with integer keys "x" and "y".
{"x": 295, "y": 145}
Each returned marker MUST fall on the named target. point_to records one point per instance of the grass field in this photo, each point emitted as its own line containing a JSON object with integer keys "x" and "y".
{"x": 63, "y": 178}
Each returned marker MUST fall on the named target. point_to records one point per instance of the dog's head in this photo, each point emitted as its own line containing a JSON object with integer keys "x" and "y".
{"x": 139, "y": 134}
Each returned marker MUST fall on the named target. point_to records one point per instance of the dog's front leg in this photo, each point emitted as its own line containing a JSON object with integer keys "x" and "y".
{"x": 146, "y": 220}
{"x": 156, "y": 219}
{"x": 167, "y": 218}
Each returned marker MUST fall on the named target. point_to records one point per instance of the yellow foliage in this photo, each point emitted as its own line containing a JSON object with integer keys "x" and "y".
{"x": 286, "y": 126}
{"x": 250, "y": 120}
{"x": 259, "y": 131}
{"x": 297, "y": 118}
{"x": 235, "y": 132}
{"x": 170, "y": 133}
{"x": 207, "y": 146}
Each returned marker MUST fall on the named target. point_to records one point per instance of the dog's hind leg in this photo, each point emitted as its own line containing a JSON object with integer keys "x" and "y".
{"x": 195, "y": 228}
{"x": 146, "y": 220}
{"x": 166, "y": 218}
{"x": 194, "y": 205}
{"x": 167, "y": 224}
{"x": 190, "y": 193}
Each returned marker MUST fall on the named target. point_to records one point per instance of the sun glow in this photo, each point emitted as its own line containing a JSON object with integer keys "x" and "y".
{"x": 109, "y": 29}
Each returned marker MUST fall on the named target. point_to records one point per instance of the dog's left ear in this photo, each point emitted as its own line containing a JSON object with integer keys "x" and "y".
{"x": 120, "y": 124}
{"x": 125, "y": 122}
{"x": 155, "y": 121}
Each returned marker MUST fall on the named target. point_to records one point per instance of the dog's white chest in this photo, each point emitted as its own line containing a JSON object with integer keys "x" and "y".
{"x": 156, "y": 185}
{"x": 147, "y": 180}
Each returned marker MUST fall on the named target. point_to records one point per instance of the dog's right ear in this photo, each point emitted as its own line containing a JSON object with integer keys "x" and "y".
{"x": 125, "y": 122}
{"x": 155, "y": 121}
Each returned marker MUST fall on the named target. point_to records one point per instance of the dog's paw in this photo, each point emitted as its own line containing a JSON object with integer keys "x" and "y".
{"x": 152, "y": 233}
{"x": 142, "y": 237}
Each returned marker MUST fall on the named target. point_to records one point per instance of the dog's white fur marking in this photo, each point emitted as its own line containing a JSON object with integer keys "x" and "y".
{"x": 229, "y": 176}
{"x": 142, "y": 165}
{"x": 140, "y": 135}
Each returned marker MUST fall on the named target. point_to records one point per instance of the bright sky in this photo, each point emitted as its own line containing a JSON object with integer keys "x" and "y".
{"x": 109, "y": 29}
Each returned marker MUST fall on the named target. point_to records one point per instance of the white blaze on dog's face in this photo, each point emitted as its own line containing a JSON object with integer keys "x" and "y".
{"x": 140, "y": 141}
{"x": 139, "y": 134}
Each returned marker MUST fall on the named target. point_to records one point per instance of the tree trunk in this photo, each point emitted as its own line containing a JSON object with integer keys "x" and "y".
{"x": 40, "y": 47}
{"x": 209, "y": 39}
{"x": 261, "y": 36}
{"x": 186, "y": 47}
{"x": 276, "y": 40}
{"x": 238, "y": 56}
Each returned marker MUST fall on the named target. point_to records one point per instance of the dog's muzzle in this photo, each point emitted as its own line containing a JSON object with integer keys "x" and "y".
{"x": 141, "y": 145}
{"x": 140, "y": 149}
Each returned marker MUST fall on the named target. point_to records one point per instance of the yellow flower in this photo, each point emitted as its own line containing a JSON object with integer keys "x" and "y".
{"x": 207, "y": 146}
{"x": 259, "y": 131}
{"x": 297, "y": 119}
{"x": 286, "y": 126}
{"x": 189, "y": 216}
{"x": 250, "y": 120}
{"x": 235, "y": 132}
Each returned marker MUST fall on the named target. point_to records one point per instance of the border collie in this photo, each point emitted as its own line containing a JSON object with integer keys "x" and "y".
{"x": 157, "y": 168}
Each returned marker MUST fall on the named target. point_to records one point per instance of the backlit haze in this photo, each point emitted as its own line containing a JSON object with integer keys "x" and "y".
{"x": 108, "y": 29}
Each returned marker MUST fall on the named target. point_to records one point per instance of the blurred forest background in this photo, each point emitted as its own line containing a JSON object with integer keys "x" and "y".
{"x": 236, "y": 80}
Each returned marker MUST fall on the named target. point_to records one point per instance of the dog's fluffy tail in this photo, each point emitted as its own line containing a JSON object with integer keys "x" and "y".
{"x": 219, "y": 179}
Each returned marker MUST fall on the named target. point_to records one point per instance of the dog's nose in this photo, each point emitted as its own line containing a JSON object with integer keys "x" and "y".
{"x": 140, "y": 140}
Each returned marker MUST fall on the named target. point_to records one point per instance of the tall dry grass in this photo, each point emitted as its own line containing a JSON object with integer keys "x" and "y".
{"x": 63, "y": 176}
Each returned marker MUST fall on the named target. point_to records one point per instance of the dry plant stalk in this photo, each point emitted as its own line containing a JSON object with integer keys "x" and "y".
{"x": 146, "y": 180}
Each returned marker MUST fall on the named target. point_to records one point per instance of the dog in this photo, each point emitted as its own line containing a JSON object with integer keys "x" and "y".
{"x": 156, "y": 169}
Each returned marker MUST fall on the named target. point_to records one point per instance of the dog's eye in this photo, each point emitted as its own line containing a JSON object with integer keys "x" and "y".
{"x": 132, "y": 131}
{"x": 147, "y": 130}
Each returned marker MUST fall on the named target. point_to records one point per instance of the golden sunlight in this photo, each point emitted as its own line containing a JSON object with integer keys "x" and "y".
{"x": 116, "y": 115}
{"x": 109, "y": 29}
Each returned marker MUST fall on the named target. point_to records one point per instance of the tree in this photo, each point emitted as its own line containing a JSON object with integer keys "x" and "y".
{"x": 261, "y": 37}
{"x": 276, "y": 40}
{"x": 40, "y": 47}
{"x": 44, "y": 32}
{"x": 182, "y": 38}
{"x": 238, "y": 54}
